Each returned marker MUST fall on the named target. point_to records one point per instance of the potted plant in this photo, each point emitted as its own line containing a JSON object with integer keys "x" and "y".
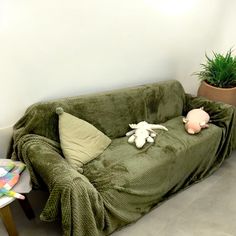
{"x": 218, "y": 78}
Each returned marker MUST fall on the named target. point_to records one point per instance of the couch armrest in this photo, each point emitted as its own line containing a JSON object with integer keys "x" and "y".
{"x": 73, "y": 199}
{"x": 51, "y": 166}
{"x": 221, "y": 114}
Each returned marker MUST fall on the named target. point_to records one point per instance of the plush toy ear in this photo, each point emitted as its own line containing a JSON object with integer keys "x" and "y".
{"x": 185, "y": 120}
{"x": 204, "y": 125}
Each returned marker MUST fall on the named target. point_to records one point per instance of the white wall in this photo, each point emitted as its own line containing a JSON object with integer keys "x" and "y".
{"x": 227, "y": 36}
{"x": 56, "y": 48}
{"x": 5, "y": 140}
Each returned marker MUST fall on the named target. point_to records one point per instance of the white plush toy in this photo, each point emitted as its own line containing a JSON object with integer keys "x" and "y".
{"x": 143, "y": 132}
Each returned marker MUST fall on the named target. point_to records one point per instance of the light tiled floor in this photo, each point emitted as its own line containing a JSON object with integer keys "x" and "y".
{"x": 205, "y": 209}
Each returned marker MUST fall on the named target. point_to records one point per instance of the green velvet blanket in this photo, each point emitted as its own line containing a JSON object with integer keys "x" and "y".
{"x": 123, "y": 183}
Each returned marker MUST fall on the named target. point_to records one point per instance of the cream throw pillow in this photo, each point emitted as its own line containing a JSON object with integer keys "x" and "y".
{"x": 80, "y": 141}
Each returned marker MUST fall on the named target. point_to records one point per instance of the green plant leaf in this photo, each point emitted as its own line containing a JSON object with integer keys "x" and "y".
{"x": 219, "y": 71}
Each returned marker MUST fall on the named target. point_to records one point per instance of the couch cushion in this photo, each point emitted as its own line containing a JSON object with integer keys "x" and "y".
{"x": 80, "y": 141}
{"x": 140, "y": 178}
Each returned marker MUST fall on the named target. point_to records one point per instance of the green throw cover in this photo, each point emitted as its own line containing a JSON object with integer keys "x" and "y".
{"x": 123, "y": 183}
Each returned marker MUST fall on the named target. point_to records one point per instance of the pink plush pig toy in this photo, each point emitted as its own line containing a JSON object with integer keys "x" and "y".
{"x": 196, "y": 120}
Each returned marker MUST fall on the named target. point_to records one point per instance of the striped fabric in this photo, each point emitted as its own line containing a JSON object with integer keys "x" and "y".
{"x": 10, "y": 175}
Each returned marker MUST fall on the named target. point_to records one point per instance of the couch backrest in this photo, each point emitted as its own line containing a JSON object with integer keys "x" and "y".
{"x": 110, "y": 112}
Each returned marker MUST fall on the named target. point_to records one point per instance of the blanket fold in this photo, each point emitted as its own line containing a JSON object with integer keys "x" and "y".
{"x": 70, "y": 191}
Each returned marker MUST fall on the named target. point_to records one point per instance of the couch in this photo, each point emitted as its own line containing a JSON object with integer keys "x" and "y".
{"x": 123, "y": 183}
